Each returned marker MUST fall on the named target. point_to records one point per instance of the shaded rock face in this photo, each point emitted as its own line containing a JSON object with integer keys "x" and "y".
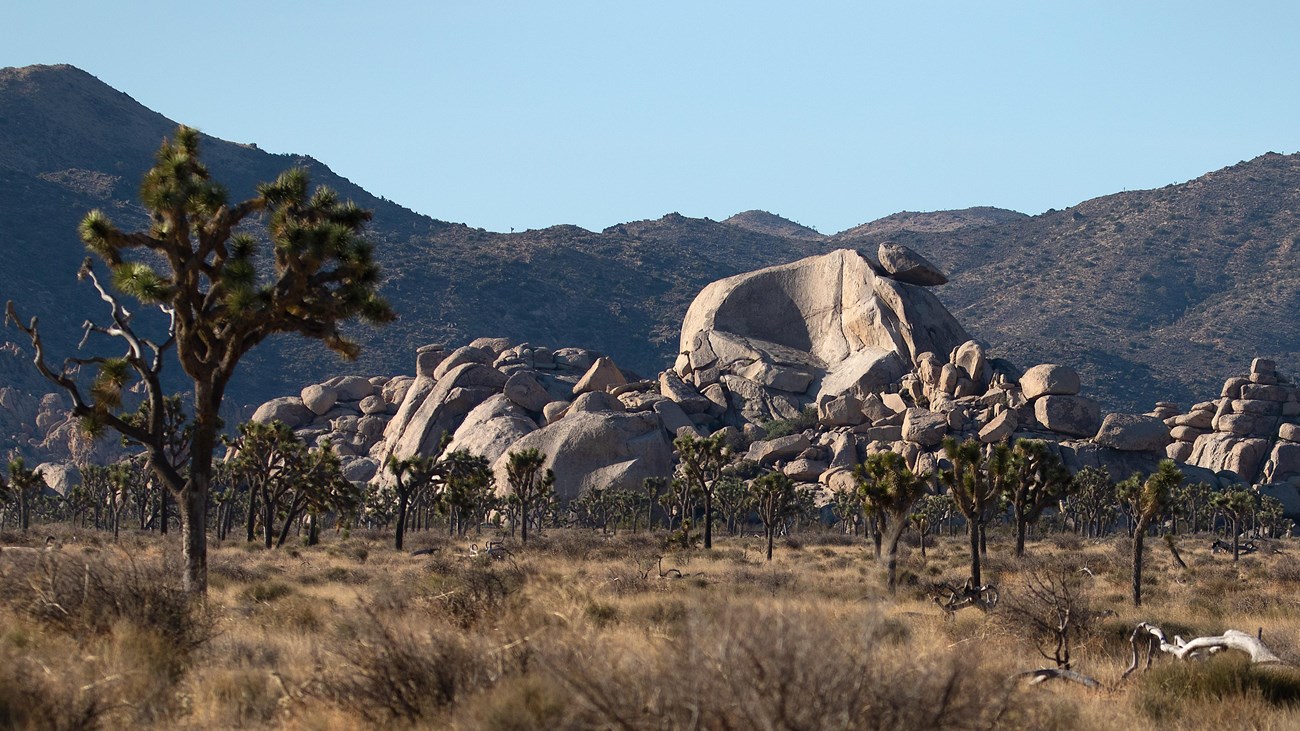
{"x": 824, "y": 325}
{"x": 1133, "y": 433}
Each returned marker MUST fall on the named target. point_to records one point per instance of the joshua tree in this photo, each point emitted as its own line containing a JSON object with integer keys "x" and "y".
{"x": 890, "y": 489}
{"x": 1146, "y": 500}
{"x": 467, "y": 489}
{"x": 652, "y": 487}
{"x": 25, "y": 486}
{"x": 217, "y": 303}
{"x": 287, "y": 478}
{"x": 412, "y": 477}
{"x": 928, "y": 513}
{"x": 1091, "y": 501}
{"x": 733, "y": 501}
{"x": 975, "y": 488}
{"x": 680, "y": 501}
{"x": 1037, "y": 479}
{"x": 530, "y": 487}
{"x": 701, "y": 462}
{"x": 774, "y": 499}
{"x": 1235, "y": 506}
{"x": 1191, "y": 500}
{"x": 847, "y": 504}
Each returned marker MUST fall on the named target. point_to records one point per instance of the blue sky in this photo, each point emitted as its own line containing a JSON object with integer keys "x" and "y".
{"x": 528, "y": 114}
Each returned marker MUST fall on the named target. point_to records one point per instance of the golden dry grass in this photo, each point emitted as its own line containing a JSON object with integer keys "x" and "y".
{"x": 580, "y": 631}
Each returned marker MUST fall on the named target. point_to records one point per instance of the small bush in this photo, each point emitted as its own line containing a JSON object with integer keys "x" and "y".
{"x": 392, "y": 674}
{"x": 265, "y": 592}
{"x": 33, "y": 699}
{"x": 1165, "y": 691}
{"x": 785, "y": 427}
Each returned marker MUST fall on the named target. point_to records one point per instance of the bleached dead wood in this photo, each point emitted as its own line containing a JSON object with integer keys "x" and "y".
{"x": 1035, "y": 677}
{"x": 1232, "y": 639}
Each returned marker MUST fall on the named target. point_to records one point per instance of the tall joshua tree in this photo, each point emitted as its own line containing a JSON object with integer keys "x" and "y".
{"x": 531, "y": 486}
{"x": 701, "y": 463}
{"x": 890, "y": 489}
{"x": 1147, "y": 500}
{"x": 976, "y": 486}
{"x": 1038, "y": 479}
{"x": 220, "y": 298}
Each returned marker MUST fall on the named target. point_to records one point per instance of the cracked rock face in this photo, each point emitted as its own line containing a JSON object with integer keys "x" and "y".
{"x": 821, "y": 326}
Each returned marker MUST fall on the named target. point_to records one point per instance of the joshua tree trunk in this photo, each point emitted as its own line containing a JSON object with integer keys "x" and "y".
{"x": 893, "y": 532}
{"x": 252, "y": 513}
{"x": 1138, "y": 537}
{"x": 401, "y": 521}
{"x": 975, "y": 532}
{"x": 1022, "y": 526}
{"x": 708, "y": 518}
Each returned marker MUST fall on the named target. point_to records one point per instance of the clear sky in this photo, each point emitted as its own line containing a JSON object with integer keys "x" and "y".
{"x": 528, "y": 114}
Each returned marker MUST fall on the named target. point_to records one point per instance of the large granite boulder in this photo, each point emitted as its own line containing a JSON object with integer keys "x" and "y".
{"x": 525, "y": 390}
{"x": 908, "y": 266}
{"x": 602, "y": 450}
{"x": 1071, "y": 415}
{"x": 320, "y": 398}
{"x": 602, "y": 375}
{"x": 923, "y": 427}
{"x": 351, "y": 388}
{"x": 1133, "y": 433}
{"x": 426, "y": 415}
{"x": 288, "y": 409}
{"x": 492, "y": 427}
{"x": 1242, "y": 456}
{"x": 827, "y": 324}
{"x": 1049, "y": 379}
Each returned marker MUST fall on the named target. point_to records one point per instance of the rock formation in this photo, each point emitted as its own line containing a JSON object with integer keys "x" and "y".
{"x": 865, "y": 347}
{"x": 1249, "y": 435}
{"x": 778, "y": 339}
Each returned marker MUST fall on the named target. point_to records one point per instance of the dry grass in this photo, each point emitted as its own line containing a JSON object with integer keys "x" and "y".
{"x": 580, "y": 631}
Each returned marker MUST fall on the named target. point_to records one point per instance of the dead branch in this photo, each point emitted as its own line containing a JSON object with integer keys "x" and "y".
{"x": 1037, "y": 677}
{"x": 1242, "y": 548}
{"x": 1173, "y": 549}
{"x": 983, "y": 597}
{"x": 1198, "y": 647}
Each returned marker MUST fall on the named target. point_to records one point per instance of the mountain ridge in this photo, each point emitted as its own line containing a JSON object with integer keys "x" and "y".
{"x": 1150, "y": 294}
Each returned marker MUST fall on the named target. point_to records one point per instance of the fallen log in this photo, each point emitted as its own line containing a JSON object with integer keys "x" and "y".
{"x": 1198, "y": 647}
{"x": 1042, "y": 675}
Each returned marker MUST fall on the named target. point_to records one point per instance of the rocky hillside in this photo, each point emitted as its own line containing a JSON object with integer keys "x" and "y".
{"x": 1152, "y": 295}
{"x": 69, "y": 143}
{"x": 1155, "y": 294}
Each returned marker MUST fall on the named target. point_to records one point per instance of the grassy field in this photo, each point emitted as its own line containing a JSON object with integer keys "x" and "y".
{"x": 579, "y": 630}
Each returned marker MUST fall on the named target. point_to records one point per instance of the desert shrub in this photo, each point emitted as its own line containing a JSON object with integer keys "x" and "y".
{"x": 265, "y": 592}
{"x": 87, "y": 597}
{"x": 828, "y": 538}
{"x": 33, "y": 699}
{"x": 767, "y": 580}
{"x": 785, "y": 427}
{"x": 748, "y": 667}
{"x": 476, "y": 593}
{"x": 1170, "y": 690}
{"x": 390, "y": 673}
{"x": 521, "y": 704}
{"x": 239, "y": 698}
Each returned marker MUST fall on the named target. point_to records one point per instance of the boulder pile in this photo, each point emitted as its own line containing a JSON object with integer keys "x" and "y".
{"x": 1249, "y": 435}
{"x": 844, "y": 355}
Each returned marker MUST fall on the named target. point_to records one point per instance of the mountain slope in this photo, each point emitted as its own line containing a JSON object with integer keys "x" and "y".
{"x": 1154, "y": 294}
{"x": 69, "y": 143}
{"x": 1151, "y": 294}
